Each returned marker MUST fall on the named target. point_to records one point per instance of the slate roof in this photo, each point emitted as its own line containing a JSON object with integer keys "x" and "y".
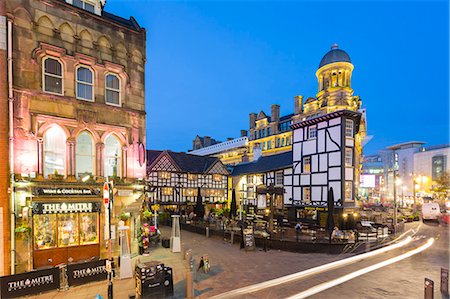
{"x": 286, "y": 117}
{"x": 130, "y": 23}
{"x": 186, "y": 162}
{"x": 264, "y": 164}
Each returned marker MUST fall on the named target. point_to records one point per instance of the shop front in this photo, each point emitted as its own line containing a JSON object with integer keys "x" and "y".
{"x": 65, "y": 231}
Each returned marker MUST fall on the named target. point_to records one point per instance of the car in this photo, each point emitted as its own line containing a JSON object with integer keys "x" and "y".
{"x": 431, "y": 212}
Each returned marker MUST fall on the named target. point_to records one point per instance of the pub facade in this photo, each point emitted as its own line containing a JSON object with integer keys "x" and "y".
{"x": 174, "y": 180}
{"x": 78, "y": 120}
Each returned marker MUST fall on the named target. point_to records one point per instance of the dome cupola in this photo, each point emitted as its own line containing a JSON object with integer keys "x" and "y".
{"x": 334, "y": 55}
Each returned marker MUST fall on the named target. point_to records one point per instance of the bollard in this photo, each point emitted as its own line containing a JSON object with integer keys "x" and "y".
{"x": 428, "y": 289}
{"x": 232, "y": 237}
{"x": 207, "y": 232}
{"x": 444, "y": 282}
{"x": 189, "y": 277}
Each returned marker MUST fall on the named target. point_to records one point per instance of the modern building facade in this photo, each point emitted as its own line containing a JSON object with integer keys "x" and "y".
{"x": 174, "y": 179}
{"x": 272, "y": 132}
{"x": 77, "y": 119}
{"x": 324, "y": 157}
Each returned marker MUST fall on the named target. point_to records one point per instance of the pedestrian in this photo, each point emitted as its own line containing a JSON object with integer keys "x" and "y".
{"x": 298, "y": 229}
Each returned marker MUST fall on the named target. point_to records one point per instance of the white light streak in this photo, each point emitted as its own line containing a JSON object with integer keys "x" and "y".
{"x": 309, "y": 272}
{"x": 332, "y": 283}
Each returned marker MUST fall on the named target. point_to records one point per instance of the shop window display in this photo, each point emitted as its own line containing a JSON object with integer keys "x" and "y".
{"x": 44, "y": 231}
{"x": 67, "y": 230}
{"x": 88, "y": 228}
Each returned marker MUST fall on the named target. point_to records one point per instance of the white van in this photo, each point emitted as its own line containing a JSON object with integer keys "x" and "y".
{"x": 431, "y": 211}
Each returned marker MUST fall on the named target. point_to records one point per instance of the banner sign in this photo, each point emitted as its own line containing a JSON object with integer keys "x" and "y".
{"x": 65, "y": 207}
{"x": 69, "y": 191}
{"x": 86, "y": 272}
{"x": 30, "y": 283}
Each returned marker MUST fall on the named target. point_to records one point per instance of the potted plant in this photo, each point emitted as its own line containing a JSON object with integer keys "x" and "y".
{"x": 147, "y": 215}
{"x": 24, "y": 230}
{"x": 124, "y": 216}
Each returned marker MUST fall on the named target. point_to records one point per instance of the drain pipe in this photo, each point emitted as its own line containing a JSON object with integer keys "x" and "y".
{"x": 11, "y": 148}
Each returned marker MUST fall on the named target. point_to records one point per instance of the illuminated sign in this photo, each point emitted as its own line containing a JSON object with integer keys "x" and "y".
{"x": 367, "y": 181}
{"x": 65, "y": 207}
{"x": 57, "y": 191}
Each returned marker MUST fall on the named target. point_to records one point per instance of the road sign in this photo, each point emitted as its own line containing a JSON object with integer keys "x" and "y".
{"x": 106, "y": 193}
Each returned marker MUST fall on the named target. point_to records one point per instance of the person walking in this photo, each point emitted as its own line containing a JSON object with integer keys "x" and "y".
{"x": 298, "y": 229}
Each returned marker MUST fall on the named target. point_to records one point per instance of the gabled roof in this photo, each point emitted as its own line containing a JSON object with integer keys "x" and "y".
{"x": 312, "y": 121}
{"x": 187, "y": 162}
{"x": 262, "y": 115}
{"x": 264, "y": 164}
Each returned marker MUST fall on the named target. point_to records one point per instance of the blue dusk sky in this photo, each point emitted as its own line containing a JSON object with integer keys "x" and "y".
{"x": 209, "y": 64}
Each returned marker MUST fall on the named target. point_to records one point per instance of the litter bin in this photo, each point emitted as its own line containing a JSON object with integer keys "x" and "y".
{"x": 153, "y": 280}
{"x": 165, "y": 243}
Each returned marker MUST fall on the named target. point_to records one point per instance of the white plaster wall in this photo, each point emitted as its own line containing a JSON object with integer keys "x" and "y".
{"x": 319, "y": 178}
{"x": 321, "y": 140}
{"x": 298, "y": 135}
{"x": 334, "y": 135}
{"x": 296, "y": 152}
{"x": 309, "y": 147}
{"x": 334, "y": 121}
{"x": 334, "y": 173}
{"x": 323, "y": 162}
{"x": 316, "y": 194}
{"x": 335, "y": 159}
{"x": 314, "y": 163}
{"x": 325, "y": 193}
{"x": 297, "y": 193}
{"x": 305, "y": 180}
{"x": 322, "y": 124}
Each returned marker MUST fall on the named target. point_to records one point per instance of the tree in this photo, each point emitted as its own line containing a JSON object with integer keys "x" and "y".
{"x": 442, "y": 187}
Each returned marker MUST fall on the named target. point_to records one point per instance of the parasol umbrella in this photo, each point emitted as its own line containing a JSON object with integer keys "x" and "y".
{"x": 199, "y": 208}
{"x": 233, "y": 207}
{"x": 330, "y": 218}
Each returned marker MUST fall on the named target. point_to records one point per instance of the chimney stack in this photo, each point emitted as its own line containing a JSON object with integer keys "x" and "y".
{"x": 252, "y": 120}
{"x": 243, "y": 133}
{"x": 257, "y": 152}
{"x": 298, "y": 100}
{"x": 275, "y": 113}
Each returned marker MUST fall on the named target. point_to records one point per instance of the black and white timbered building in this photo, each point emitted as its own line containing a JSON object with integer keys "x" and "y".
{"x": 173, "y": 179}
{"x": 324, "y": 157}
{"x": 250, "y": 182}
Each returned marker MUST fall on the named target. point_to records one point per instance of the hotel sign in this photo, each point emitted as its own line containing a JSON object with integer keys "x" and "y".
{"x": 66, "y": 191}
{"x": 66, "y": 207}
{"x": 30, "y": 283}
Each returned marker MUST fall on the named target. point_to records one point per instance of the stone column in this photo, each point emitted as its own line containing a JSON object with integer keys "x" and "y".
{"x": 40, "y": 157}
{"x": 70, "y": 158}
{"x": 124, "y": 163}
{"x": 100, "y": 158}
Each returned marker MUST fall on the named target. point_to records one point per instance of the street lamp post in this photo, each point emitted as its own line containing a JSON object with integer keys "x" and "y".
{"x": 395, "y": 202}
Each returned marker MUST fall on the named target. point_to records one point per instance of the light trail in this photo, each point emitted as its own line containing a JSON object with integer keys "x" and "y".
{"x": 332, "y": 283}
{"x": 309, "y": 272}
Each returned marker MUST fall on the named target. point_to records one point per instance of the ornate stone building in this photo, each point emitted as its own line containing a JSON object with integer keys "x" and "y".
{"x": 78, "y": 118}
{"x": 272, "y": 133}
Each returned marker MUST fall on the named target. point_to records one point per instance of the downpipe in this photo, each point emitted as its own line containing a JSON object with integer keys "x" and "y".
{"x": 11, "y": 148}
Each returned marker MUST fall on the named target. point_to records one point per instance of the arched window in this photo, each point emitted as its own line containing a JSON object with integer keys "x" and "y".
{"x": 52, "y": 75}
{"x": 85, "y": 83}
{"x": 113, "y": 156}
{"x": 112, "y": 94}
{"x": 54, "y": 151}
{"x": 85, "y": 158}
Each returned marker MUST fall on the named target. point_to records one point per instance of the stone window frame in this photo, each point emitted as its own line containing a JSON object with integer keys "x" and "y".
{"x": 44, "y": 58}
{"x": 92, "y": 84}
{"x": 119, "y": 90}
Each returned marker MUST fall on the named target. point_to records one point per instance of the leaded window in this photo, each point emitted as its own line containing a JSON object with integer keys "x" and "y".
{"x": 54, "y": 151}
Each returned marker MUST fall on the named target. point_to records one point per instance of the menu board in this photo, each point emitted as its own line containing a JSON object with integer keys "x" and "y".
{"x": 249, "y": 239}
